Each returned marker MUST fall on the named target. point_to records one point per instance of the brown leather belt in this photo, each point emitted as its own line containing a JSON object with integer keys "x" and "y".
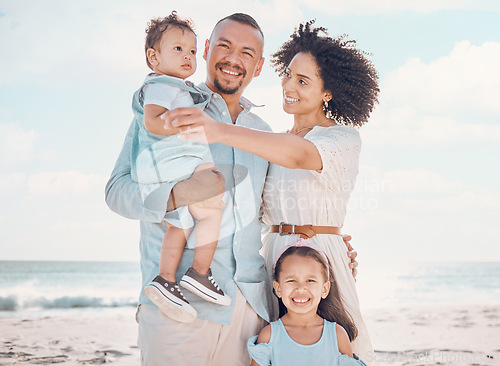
{"x": 305, "y": 231}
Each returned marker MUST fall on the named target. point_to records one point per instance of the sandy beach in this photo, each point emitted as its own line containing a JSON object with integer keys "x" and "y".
{"x": 438, "y": 335}
{"x": 75, "y": 340}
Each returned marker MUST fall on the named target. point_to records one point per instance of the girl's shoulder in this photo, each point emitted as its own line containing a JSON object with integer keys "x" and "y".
{"x": 265, "y": 334}
{"x": 259, "y": 347}
{"x": 342, "y": 339}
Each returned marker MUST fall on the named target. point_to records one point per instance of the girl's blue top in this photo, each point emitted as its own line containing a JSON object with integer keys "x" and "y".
{"x": 284, "y": 351}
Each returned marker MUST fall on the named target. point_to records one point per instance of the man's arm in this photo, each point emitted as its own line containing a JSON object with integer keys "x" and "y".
{"x": 122, "y": 193}
{"x": 124, "y": 198}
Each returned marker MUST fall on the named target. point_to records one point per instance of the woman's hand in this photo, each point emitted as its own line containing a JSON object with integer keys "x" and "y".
{"x": 194, "y": 124}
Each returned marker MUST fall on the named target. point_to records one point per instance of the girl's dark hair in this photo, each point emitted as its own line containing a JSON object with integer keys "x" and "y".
{"x": 330, "y": 308}
{"x": 157, "y": 26}
{"x": 346, "y": 72}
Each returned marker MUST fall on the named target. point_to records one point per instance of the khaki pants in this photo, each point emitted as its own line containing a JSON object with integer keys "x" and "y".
{"x": 165, "y": 342}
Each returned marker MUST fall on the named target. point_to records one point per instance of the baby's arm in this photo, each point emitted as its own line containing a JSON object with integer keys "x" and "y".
{"x": 154, "y": 123}
{"x": 343, "y": 341}
{"x": 264, "y": 337}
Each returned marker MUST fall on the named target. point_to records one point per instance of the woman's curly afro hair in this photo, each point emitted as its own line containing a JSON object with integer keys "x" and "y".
{"x": 346, "y": 72}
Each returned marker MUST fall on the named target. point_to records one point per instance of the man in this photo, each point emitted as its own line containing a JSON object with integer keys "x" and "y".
{"x": 219, "y": 335}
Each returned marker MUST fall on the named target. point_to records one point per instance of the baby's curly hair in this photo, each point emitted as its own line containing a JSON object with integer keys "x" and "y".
{"x": 345, "y": 71}
{"x": 157, "y": 26}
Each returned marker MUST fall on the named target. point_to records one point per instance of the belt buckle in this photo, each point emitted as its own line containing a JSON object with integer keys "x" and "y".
{"x": 280, "y": 229}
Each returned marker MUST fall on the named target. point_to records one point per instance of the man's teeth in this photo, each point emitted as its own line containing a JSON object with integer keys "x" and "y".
{"x": 230, "y": 72}
{"x": 288, "y": 99}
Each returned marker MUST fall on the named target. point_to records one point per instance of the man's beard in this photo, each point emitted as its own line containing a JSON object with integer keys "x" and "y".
{"x": 226, "y": 90}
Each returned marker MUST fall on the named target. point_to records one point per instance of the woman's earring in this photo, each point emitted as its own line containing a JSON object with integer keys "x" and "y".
{"x": 327, "y": 112}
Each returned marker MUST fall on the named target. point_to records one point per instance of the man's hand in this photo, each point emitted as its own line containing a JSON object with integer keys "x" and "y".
{"x": 203, "y": 184}
{"x": 351, "y": 253}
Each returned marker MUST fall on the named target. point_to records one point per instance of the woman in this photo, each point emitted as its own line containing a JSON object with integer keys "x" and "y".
{"x": 330, "y": 87}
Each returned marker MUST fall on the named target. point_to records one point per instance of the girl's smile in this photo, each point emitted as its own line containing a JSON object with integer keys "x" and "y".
{"x": 301, "y": 284}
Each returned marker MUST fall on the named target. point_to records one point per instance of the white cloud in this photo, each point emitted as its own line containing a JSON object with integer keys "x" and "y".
{"x": 72, "y": 43}
{"x": 410, "y": 181}
{"x": 68, "y": 219}
{"x": 16, "y": 145}
{"x": 12, "y": 184}
{"x": 64, "y": 183}
{"x": 465, "y": 202}
{"x": 452, "y": 99}
{"x": 370, "y": 7}
{"x": 417, "y": 214}
{"x": 468, "y": 78}
{"x": 272, "y": 112}
{"x": 99, "y": 42}
{"x": 420, "y": 189}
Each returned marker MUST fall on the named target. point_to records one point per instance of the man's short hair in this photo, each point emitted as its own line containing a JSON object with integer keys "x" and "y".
{"x": 243, "y": 19}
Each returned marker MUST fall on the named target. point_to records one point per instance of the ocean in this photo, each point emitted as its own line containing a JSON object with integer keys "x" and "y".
{"x": 432, "y": 283}
{"x": 45, "y": 288}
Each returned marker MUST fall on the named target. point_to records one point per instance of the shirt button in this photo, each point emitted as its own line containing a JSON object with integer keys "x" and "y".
{"x": 215, "y": 96}
{"x": 235, "y": 242}
{"x": 236, "y": 278}
{"x": 224, "y": 113}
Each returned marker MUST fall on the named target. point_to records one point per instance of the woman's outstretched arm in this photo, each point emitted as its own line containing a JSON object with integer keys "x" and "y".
{"x": 283, "y": 149}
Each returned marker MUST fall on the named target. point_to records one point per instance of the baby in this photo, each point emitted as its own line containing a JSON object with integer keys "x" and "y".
{"x": 160, "y": 160}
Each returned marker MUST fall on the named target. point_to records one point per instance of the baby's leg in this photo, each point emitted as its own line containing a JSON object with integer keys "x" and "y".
{"x": 172, "y": 247}
{"x": 163, "y": 290}
{"x": 206, "y": 233}
{"x": 208, "y": 213}
{"x": 199, "y": 279}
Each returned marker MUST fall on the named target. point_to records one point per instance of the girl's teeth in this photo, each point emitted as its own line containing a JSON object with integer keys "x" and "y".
{"x": 301, "y": 301}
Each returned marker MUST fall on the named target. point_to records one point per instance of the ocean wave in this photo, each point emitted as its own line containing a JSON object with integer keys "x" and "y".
{"x": 16, "y": 303}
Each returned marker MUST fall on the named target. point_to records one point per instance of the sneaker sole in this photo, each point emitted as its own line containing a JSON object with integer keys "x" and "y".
{"x": 196, "y": 288}
{"x": 171, "y": 308}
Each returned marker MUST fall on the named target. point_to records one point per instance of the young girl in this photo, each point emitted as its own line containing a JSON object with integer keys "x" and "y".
{"x": 160, "y": 160}
{"x": 313, "y": 328}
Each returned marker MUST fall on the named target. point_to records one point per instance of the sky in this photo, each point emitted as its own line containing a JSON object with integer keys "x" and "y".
{"x": 429, "y": 167}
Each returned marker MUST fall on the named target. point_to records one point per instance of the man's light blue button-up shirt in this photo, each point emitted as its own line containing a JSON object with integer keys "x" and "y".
{"x": 237, "y": 262}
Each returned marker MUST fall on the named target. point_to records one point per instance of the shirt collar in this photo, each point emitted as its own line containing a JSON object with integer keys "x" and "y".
{"x": 244, "y": 102}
